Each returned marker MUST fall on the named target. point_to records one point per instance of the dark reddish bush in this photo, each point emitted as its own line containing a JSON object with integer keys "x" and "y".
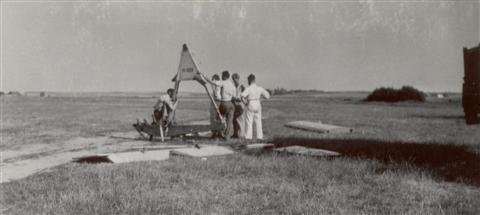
{"x": 388, "y": 94}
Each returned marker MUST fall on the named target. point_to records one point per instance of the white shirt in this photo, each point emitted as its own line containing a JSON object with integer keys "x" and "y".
{"x": 228, "y": 90}
{"x": 238, "y": 93}
{"x": 164, "y": 99}
{"x": 216, "y": 91}
{"x": 254, "y": 92}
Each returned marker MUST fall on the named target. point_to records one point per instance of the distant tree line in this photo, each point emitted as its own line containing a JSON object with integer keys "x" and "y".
{"x": 283, "y": 91}
{"x": 10, "y": 93}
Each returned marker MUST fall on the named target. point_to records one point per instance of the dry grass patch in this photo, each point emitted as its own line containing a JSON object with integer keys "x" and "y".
{"x": 237, "y": 185}
{"x": 377, "y": 176}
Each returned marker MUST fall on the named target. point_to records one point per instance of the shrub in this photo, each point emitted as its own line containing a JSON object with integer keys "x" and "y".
{"x": 388, "y": 94}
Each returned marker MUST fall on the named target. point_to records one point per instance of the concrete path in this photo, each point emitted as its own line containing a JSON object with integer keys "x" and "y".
{"x": 33, "y": 158}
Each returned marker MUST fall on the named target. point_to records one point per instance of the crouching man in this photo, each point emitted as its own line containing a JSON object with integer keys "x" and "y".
{"x": 252, "y": 94}
{"x": 162, "y": 110}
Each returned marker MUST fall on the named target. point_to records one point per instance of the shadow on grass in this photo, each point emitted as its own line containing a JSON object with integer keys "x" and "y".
{"x": 452, "y": 163}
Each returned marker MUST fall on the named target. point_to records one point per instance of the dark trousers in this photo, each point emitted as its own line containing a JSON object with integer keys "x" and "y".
{"x": 227, "y": 109}
{"x": 236, "y": 124}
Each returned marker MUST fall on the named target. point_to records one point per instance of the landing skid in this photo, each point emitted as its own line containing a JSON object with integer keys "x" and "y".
{"x": 153, "y": 130}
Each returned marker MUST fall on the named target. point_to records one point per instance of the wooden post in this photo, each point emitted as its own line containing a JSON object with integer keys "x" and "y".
{"x": 159, "y": 126}
{"x": 206, "y": 89}
{"x": 178, "y": 78}
{"x": 161, "y": 132}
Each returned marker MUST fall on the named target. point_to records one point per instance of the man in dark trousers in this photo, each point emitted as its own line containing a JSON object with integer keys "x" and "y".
{"x": 227, "y": 93}
{"x": 238, "y": 116}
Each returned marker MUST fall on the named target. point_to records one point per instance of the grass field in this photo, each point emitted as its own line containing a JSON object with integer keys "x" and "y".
{"x": 404, "y": 158}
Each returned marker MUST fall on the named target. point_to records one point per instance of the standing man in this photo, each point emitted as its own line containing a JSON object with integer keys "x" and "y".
{"x": 252, "y": 94}
{"x": 214, "y": 119}
{"x": 227, "y": 92}
{"x": 238, "y": 116}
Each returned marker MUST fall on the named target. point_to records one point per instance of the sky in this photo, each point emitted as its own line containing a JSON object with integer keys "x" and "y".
{"x": 325, "y": 45}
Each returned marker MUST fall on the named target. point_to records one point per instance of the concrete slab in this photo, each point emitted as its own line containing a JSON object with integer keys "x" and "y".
{"x": 26, "y": 167}
{"x": 318, "y": 127}
{"x": 300, "y": 150}
{"x": 256, "y": 147}
{"x": 33, "y": 158}
{"x": 158, "y": 147}
{"x": 260, "y": 146}
{"x": 28, "y": 159}
{"x": 125, "y": 157}
{"x": 203, "y": 151}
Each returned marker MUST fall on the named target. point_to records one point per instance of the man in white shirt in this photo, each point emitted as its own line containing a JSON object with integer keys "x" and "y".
{"x": 252, "y": 94}
{"x": 164, "y": 107}
{"x": 227, "y": 93}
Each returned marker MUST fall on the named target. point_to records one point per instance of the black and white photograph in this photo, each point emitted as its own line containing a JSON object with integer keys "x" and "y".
{"x": 240, "y": 107}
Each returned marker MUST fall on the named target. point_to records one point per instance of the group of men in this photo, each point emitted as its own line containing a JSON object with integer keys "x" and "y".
{"x": 239, "y": 106}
